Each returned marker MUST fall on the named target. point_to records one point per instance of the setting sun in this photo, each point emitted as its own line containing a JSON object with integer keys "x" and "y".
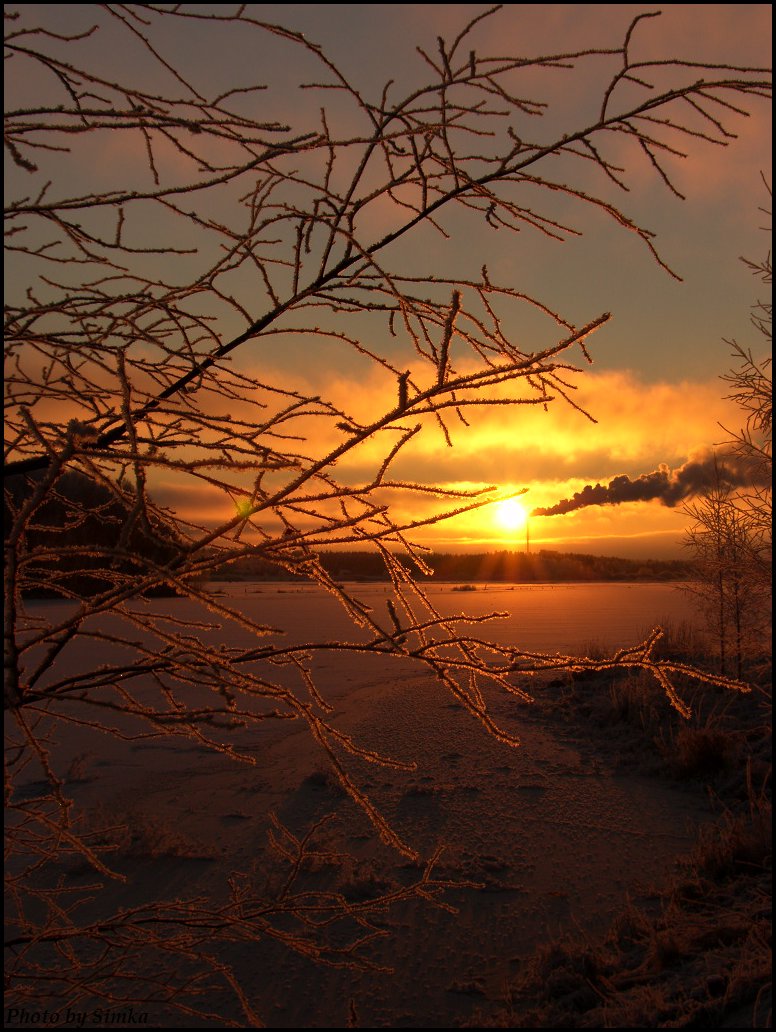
{"x": 511, "y": 514}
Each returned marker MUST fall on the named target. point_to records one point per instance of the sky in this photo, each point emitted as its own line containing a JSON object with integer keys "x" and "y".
{"x": 654, "y": 388}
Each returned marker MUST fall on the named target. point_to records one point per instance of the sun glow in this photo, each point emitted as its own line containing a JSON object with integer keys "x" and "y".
{"x": 511, "y": 515}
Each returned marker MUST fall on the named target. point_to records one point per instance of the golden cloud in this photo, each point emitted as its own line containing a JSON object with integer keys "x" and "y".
{"x": 553, "y": 454}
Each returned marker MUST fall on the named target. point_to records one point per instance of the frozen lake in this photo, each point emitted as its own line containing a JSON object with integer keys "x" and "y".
{"x": 564, "y": 618}
{"x": 567, "y": 619}
{"x": 570, "y": 619}
{"x": 542, "y": 838}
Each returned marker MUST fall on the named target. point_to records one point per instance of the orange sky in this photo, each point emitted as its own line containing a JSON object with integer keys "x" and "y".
{"x": 654, "y": 388}
{"x": 547, "y": 455}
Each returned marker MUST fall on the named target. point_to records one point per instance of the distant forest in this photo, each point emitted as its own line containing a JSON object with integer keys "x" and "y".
{"x": 87, "y": 539}
{"x": 477, "y": 568}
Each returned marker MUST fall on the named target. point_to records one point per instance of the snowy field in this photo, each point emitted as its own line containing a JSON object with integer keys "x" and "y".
{"x": 550, "y": 837}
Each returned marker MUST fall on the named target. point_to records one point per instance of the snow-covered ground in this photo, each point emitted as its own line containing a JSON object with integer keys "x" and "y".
{"x": 551, "y": 837}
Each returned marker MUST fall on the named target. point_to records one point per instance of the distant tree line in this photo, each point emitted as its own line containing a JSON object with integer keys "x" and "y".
{"x": 89, "y": 534}
{"x": 483, "y": 567}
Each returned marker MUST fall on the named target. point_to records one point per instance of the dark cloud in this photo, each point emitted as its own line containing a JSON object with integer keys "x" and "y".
{"x": 668, "y": 486}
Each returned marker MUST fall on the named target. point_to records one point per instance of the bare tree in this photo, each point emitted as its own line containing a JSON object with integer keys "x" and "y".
{"x": 751, "y": 387}
{"x": 136, "y": 309}
{"x": 726, "y": 558}
{"x": 731, "y": 535}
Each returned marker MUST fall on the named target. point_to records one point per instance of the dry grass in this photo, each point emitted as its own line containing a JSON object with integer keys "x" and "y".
{"x": 701, "y": 752}
{"x": 632, "y": 699}
{"x": 699, "y": 954}
{"x": 703, "y": 961}
{"x": 725, "y": 728}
